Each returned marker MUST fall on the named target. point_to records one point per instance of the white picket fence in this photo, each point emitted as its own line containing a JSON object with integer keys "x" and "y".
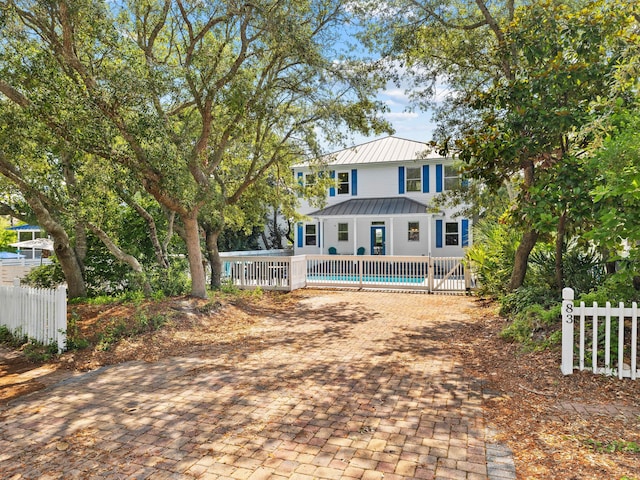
{"x": 605, "y": 340}
{"x": 36, "y": 313}
{"x": 430, "y": 274}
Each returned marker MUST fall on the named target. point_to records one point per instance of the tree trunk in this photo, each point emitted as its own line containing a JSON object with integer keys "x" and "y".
{"x": 560, "y": 233}
{"x": 71, "y": 267}
{"x": 196, "y": 267}
{"x": 521, "y": 259}
{"x": 161, "y": 254}
{"x": 76, "y": 286}
{"x": 214, "y": 257}
{"x": 123, "y": 257}
{"x": 81, "y": 248}
{"x": 277, "y": 235}
{"x": 529, "y": 238}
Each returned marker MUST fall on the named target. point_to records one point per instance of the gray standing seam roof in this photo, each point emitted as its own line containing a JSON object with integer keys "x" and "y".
{"x": 371, "y": 206}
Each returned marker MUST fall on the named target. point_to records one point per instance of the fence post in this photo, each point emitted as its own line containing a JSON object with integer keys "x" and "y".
{"x": 430, "y": 275}
{"x": 567, "y": 331}
{"x": 61, "y": 317}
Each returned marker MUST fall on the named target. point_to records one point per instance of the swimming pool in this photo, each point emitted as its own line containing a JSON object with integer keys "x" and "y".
{"x": 365, "y": 279}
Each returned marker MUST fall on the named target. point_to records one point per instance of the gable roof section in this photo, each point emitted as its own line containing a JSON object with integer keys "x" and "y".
{"x": 372, "y": 206}
{"x": 388, "y": 149}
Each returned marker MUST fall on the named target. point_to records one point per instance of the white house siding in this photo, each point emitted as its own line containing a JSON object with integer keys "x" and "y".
{"x": 397, "y": 236}
{"x": 382, "y": 180}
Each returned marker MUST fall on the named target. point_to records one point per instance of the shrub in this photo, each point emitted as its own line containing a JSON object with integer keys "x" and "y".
{"x": 491, "y": 256}
{"x": 45, "y": 276}
{"x": 525, "y": 297}
{"x": 534, "y": 327}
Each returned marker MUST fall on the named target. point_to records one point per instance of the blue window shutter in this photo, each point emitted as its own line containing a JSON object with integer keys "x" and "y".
{"x": 438, "y": 233}
{"x": 400, "y": 179}
{"x": 332, "y": 190}
{"x": 465, "y": 232}
{"x": 300, "y": 183}
{"x": 354, "y": 182}
{"x": 425, "y": 179}
{"x": 439, "y": 178}
{"x": 300, "y": 235}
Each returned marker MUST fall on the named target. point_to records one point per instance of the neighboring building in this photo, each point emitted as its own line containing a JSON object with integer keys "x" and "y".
{"x": 379, "y": 205}
{"x": 27, "y": 233}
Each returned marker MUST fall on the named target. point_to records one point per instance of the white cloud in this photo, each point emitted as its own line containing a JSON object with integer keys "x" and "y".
{"x": 401, "y": 116}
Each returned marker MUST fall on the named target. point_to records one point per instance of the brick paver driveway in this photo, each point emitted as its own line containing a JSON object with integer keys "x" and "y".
{"x": 348, "y": 385}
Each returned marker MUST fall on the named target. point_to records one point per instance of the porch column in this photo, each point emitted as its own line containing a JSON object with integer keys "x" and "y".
{"x": 355, "y": 235}
{"x": 391, "y": 236}
{"x": 321, "y": 235}
{"x": 429, "y": 222}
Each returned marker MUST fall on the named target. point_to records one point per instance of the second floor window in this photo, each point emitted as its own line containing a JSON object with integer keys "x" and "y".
{"x": 343, "y": 183}
{"x": 414, "y": 179}
{"x": 309, "y": 179}
{"x": 451, "y": 177}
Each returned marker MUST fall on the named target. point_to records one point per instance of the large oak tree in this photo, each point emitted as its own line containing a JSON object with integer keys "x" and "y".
{"x": 197, "y": 101}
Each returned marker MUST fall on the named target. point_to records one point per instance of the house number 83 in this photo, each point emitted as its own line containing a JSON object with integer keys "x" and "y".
{"x": 568, "y": 310}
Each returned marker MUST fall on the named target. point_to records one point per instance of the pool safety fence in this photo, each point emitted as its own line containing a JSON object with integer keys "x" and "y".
{"x": 431, "y": 274}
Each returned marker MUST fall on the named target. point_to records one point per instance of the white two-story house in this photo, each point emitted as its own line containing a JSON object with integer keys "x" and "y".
{"x": 379, "y": 204}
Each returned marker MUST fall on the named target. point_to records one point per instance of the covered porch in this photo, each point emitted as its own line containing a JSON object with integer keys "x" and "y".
{"x": 370, "y": 226}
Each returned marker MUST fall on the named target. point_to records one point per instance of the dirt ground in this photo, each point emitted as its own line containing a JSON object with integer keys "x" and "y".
{"x": 566, "y": 427}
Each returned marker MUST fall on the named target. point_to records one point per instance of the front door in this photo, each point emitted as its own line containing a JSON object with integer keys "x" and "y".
{"x": 378, "y": 240}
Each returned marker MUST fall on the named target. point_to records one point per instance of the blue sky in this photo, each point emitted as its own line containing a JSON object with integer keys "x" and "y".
{"x": 410, "y": 123}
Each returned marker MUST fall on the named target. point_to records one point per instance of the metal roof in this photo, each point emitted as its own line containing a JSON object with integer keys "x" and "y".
{"x": 372, "y": 206}
{"x": 388, "y": 149}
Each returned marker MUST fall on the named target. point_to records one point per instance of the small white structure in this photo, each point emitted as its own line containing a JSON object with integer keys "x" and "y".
{"x": 37, "y": 238}
{"x": 379, "y": 204}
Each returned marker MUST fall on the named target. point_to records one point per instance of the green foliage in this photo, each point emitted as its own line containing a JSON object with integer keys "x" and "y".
{"x": 491, "y": 256}
{"x": 534, "y": 327}
{"x": 583, "y": 269}
{"x": 613, "y": 446}
{"x": 119, "y": 328}
{"x": 37, "y": 352}
{"x": 74, "y": 339}
{"x": 616, "y": 288}
{"x": 229, "y": 288}
{"x": 616, "y": 191}
{"x": 199, "y": 120}
{"x": 6, "y": 236}
{"x": 524, "y": 297}
{"x": 45, "y": 276}
{"x": 173, "y": 281}
{"x": 33, "y": 350}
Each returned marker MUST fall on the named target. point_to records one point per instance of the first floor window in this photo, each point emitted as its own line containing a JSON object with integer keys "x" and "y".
{"x": 451, "y": 236}
{"x": 310, "y": 234}
{"x": 414, "y": 179}
{"x": 414, "y": 231}
{"x": 343, "y": 232}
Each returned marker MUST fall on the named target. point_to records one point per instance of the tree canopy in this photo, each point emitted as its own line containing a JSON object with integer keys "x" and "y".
{"x": 528, "y": 83}
{"x": 194, "y": 102}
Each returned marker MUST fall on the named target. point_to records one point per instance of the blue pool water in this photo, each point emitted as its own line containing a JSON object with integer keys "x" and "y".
{"x": 365, "y": 278}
